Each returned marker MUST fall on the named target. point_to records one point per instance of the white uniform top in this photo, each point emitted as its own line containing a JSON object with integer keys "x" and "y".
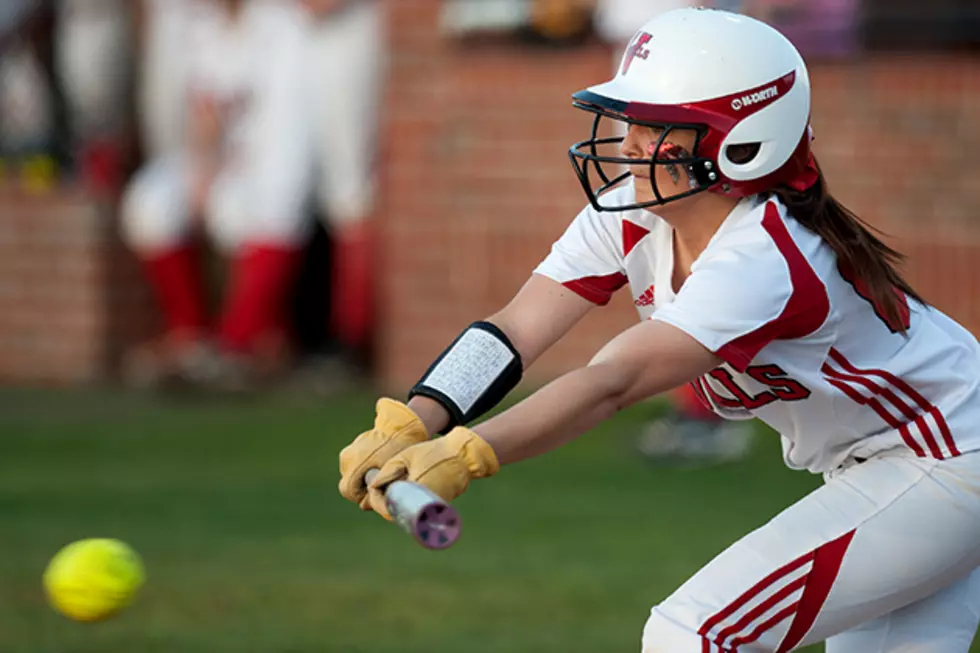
{"x": 255, "y": 69}
{"x": 803, "y": 350}
{"x": 163, "y": 71}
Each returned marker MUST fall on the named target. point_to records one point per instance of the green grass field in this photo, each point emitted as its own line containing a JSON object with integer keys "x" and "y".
{"x": 248, "y": 547}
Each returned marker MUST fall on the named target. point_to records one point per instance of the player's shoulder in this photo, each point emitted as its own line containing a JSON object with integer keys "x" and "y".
{"x": 759, "y": 233}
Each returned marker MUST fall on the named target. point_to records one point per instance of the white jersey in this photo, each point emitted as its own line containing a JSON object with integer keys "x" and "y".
{"x": 803, "y": 349}
{"x": 254, "y": 70}
{"x": 163, "y": 74}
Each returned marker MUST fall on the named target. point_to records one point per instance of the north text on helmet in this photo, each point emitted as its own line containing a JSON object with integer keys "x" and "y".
{"x": 755, "y": 98}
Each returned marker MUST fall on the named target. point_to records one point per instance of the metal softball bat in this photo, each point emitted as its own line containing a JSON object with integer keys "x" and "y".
{"x": 421, "y": 513}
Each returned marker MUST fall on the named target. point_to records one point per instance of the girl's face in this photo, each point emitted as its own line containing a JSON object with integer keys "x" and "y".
{"x": 671, "y": 180}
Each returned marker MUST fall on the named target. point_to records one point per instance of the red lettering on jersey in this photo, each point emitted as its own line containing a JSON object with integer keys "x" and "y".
{"x": 785, "y": 388}
{"x": 699, "y": 393}
{"x": 773, "y": 376}
{"x": 741, "y": 396}
{"x": 637, "y": 50}
{"x": 724, "y": 402}
{"x": 899, "y": 325}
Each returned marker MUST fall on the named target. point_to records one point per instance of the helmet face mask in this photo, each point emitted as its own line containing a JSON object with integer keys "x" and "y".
{"x": 676, "y": 160}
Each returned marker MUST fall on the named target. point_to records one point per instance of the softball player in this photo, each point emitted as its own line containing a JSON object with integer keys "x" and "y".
{"x": 347, "y": 51}
{"x": 243, "y": 173}
{"x": 775, "y": 301}
{"x": 688, "y": 434}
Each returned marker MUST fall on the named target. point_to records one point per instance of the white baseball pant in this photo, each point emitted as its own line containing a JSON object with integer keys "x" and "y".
{"x": 243, "y": 206}
{"x": 880, "y": 559}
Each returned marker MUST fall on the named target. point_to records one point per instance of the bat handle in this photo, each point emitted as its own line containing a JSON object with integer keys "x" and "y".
{"x": 421, "y": 513}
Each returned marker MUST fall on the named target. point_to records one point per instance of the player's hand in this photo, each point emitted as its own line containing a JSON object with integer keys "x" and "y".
{"x": 444, "y": 465}
{"x": 396, "y": 428}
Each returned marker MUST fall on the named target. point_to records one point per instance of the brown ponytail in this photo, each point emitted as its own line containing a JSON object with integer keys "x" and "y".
{"x": 864, "y": 260}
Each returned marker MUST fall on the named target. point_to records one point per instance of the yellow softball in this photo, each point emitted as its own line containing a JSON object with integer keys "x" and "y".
{"x": 92, "y": 579}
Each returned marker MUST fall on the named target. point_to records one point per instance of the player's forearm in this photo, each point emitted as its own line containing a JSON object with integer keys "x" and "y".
{"x": 646, "y": 360}
{"x": 431, "y": 412}
{"x": 558, "y": 413}
{"x": 536, "y": 318}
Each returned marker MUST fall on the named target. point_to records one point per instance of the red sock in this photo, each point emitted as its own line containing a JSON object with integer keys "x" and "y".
{"x": 255, "y": 303}
{"x": 101, "y": 163}
{"x": 687, "y": 404}
{"x": 352, "y": 292}
{"x": 176, "y": 279}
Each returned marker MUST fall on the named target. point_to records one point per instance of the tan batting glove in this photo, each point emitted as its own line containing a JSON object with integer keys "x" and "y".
{"x": 444, "y": 465}
{"x": 396, "y": 427}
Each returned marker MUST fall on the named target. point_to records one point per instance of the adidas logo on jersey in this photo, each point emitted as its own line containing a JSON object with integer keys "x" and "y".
{"x": 646, "y": 299}
{"x": 755, "y": 98}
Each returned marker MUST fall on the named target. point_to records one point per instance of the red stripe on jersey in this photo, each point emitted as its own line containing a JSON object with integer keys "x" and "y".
{"x": 805, "y": 310}
{"x": 944, "y": 429}
{"x": 876, "y": 406}
{"x": 910, "y": 392}
{"x": 632, "y": 234}
{"x": 906, "y": 410}
{"x": 752, "y": 592}
{"x": 826, "y": 565}
{"x": 918, "y": 420}
{"x": 598, "y": 290}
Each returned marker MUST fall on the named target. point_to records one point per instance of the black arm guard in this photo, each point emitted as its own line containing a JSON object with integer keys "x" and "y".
{"x": 473, "y": 374}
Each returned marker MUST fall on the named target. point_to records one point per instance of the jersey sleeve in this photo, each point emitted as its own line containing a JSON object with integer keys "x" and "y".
{"x": 587, "y": 259}
{"x": 749, "y": 294}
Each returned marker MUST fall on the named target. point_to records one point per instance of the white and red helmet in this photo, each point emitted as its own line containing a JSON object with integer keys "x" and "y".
{"x": 733, "y": 79}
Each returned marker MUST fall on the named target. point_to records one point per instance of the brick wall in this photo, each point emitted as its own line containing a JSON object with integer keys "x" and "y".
{"x": 70, "y": 295}
{"x": 477, "y": 183}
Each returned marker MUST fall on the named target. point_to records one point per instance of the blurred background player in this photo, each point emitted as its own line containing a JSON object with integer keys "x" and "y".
{"x": 93, "y": 53}
{"x": 161, "y": 98}
{"x": 689, "y": 433}
{"x": 347, "y": 63}
{"x": 242, "y": 174}
{"x": 31, "y": 111}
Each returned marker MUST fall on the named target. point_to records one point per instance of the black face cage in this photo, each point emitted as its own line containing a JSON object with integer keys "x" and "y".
{"x": 701, "y": 171}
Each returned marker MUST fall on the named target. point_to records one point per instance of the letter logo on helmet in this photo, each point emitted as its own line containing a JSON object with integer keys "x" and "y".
{"x": 637, "y": 50}
{"x": 731, "y": 79}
